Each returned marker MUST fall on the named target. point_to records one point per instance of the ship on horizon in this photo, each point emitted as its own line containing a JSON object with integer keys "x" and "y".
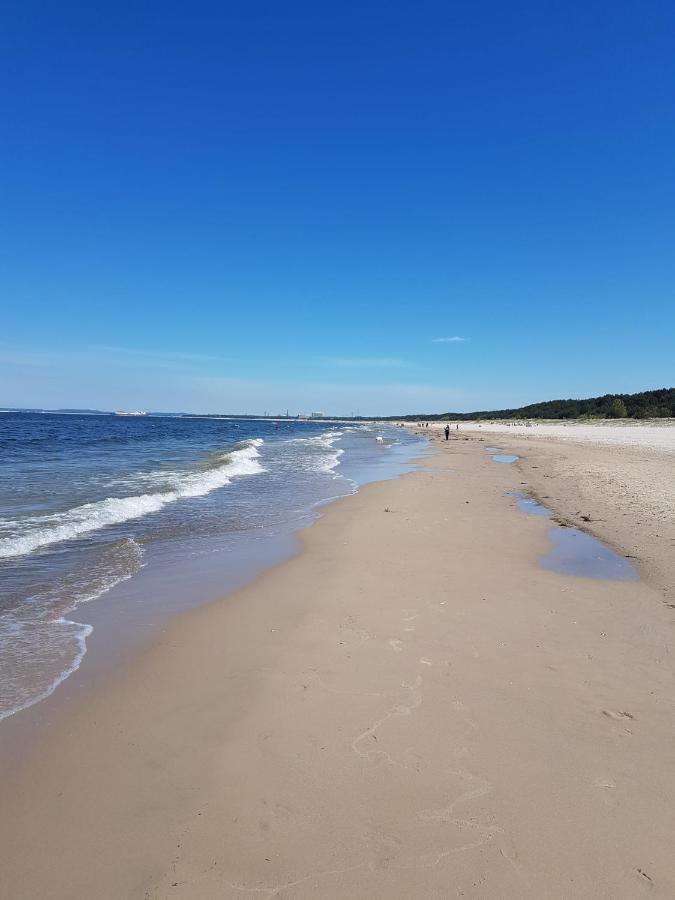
{"x": 133, "y": 412}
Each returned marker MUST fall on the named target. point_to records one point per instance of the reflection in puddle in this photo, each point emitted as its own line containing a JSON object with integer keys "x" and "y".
{"x": 528, "y": 505}
{"x": 500, "y": 457}
{"x": 577, "y": 553}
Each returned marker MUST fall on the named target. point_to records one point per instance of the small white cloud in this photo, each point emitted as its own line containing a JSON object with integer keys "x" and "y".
{"x": 455, "y": 339}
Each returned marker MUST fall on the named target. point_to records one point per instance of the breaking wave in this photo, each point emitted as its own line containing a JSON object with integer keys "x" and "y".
{"x": 41, "y": 531}
{"x": 321, "y": 454}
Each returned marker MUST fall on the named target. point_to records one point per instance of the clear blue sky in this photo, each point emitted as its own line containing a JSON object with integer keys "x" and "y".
{"x": 249, "y": 206}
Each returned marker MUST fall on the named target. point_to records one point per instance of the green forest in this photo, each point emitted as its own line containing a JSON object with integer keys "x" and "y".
{"x": 659, "y": 404}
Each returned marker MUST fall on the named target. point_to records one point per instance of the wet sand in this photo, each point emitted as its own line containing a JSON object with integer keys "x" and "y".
{"x": 411, "y": 707}
{"x": 614, "y": 481}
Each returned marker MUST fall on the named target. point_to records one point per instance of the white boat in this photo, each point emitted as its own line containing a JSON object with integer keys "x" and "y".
{"x": 135, "y": 412}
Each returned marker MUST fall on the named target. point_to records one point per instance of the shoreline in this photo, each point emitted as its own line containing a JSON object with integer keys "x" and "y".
{"x": 409, "y": 707}
{"x": 119, "y": 621}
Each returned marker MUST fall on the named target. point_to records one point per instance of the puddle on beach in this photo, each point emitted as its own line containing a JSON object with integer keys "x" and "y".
{"x": 531, "y": 507}
{"x": 500, "y": 457}
{"x": 577, "y": 553}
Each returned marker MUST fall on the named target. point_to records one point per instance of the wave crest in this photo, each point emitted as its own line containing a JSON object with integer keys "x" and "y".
{"x": 323, "y": 456}
{"x": 41, "y": 531}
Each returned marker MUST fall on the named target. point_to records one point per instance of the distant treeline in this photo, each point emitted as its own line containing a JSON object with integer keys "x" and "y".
{"x": 646, "y": 405}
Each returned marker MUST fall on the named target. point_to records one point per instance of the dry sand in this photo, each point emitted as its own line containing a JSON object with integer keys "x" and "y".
{"x": 411, "y": 708}
{"x": 651, "y": 434}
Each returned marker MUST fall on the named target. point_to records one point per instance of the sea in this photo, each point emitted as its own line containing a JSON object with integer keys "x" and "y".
{"x": 140, "y": 516}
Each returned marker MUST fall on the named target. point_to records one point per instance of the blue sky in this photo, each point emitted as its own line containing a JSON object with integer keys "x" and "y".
{"x": 240, "y": 207}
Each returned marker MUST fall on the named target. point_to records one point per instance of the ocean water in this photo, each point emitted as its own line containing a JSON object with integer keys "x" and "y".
{"x": 90, "y": 501}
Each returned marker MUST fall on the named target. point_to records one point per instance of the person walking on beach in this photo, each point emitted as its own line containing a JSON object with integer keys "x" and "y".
{"x": 447, "y": 432}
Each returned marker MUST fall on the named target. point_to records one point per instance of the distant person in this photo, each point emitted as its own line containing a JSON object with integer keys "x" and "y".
{"x": 447, "y": 432}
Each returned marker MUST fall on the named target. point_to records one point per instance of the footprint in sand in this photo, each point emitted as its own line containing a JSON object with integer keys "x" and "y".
{"x": 612, "y": 714}
{"x": 605, "y": 783}
{"x": 396, "y": 645}
{"x": 425, "y": 661}
{"x": 642, "y": 875}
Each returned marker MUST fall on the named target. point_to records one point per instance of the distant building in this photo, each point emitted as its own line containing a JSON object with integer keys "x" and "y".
{"x": 316, "y": 415}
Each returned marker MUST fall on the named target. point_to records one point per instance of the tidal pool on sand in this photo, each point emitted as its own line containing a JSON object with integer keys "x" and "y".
{"x": 532, "y": 507}
{"x": 499, "y": 457}
{"x": 577, "y": 553}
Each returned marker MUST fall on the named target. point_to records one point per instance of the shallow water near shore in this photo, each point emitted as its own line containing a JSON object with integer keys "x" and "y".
{"x": 108, "y": 526}
{"x": 577, "y": 553}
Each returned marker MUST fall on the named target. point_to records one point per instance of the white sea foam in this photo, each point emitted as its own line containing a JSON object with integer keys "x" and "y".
{"x": 331, "y": 455}
{"x": 41, "y": 531}
{"x": 83, "y": 632}
{"x": 323, "y": 456}
{"x": 54, "y": 643}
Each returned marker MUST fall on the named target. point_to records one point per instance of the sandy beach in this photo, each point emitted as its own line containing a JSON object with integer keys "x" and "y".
{"x": 650, "y": 435}
{"x": 615, "y": 480}
{"x": 412, "y": 707}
